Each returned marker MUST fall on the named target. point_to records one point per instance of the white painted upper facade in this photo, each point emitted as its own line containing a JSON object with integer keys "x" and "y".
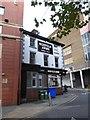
{"x": 39, "y": 56}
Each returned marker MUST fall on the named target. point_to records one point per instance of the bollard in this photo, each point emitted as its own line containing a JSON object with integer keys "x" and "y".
{"x": 50, "y": 101}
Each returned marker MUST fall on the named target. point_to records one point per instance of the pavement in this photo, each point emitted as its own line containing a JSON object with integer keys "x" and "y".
{"x": 0, "y": 110}
{"x": 28, "y": 110}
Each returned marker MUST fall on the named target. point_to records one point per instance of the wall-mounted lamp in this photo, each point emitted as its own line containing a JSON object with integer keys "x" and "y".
{"x": 2, "y": 10}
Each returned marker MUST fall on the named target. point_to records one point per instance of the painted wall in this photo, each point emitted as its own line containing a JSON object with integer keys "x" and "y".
{"x": 39, "y": 55}
{"x": 66, "y": 80}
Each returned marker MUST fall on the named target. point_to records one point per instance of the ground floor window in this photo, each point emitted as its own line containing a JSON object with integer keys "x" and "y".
{"x": 34, "y": 79}
{"x": 40, "y": 81}
{"x": 54, "y": 81}
{"x": 33, "y": 82}
{"x": 31, "y": 79}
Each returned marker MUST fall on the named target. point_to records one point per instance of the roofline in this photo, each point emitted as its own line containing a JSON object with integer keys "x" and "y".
{"x": 53, "y": 33}
{"x": 40, "y": 37}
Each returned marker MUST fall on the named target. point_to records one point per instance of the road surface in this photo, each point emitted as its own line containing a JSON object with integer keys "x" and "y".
{"x": 75, "y": 109}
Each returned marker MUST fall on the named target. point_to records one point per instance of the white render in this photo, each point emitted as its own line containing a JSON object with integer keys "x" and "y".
{"x": 81, "y": 76}
{"x": 39, "y": 59}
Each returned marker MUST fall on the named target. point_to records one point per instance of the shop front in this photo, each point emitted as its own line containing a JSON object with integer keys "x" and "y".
{"x": 37, "y": 80}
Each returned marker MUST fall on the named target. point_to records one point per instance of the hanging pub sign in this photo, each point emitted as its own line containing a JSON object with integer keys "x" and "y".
{"x": 45, "y": 47}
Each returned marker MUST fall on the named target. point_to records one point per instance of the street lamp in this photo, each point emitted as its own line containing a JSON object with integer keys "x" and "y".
{"x": 2, "y": 9}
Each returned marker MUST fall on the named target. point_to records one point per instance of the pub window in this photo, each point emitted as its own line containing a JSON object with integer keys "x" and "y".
{"x": 28, "y": 79}
{"x": 53, "y": 82}
{"x": 32, "y": 58}
{"x": 32, "y": 42}
{"x": 34, "y": 77}
{"x": 45, "y": 60}
{"x": 40, "y": 80}
{"x": 56, "y": 61}
{"x": 33, "y": 82}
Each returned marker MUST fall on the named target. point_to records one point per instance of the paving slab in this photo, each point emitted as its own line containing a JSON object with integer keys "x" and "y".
{"x": 28, "y": 110}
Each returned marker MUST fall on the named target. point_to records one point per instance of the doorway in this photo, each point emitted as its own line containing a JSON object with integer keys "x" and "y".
{"x": 23, "y": 86}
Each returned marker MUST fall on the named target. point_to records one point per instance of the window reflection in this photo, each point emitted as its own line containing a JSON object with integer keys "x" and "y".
{"x": 86, "y": 45}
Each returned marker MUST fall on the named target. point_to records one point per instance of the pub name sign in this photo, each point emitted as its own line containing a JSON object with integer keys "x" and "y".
{"x": 45, "y": 47}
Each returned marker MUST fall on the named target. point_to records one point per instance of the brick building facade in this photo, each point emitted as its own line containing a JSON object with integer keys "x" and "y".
{"x": 11, "y": 21}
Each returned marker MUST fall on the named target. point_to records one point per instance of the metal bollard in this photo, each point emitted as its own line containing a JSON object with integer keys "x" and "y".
{"x": 50, "y": 101}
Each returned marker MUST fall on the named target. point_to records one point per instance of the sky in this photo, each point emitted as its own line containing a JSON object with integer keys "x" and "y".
{"x": 39, "y": 12}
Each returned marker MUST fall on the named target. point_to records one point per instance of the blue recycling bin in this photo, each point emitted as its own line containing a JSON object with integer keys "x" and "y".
{"x": 52, "y": 92}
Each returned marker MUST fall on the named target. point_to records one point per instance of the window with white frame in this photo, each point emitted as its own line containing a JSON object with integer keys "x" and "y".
{"x": 29, "y": 79}
{"x": 34, "y": 79}
{"x": 56, "y": 48}
{"x": 32, "y": 58}
{"x": 56, "y": 61}
{"x": 86, "y": 45}
{"x": 45, "y": 60}
{"x": 32, "y": 42}
{"x": 40, "y": 81}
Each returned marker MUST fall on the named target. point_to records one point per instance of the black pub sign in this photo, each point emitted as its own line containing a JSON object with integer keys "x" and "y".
{"x": 45, "y": 47}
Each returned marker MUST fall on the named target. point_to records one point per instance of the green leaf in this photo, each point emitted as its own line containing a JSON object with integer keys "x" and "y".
{"x": 36, "y": 22}
{"x": 41, "y": 22}
{"x": 32, "y": 3}
{"x": 66, "y": 17}
{"x": 44, "y": 20}
{"x": 53, "y": 8}
{"x": 40, "y": 3}
{"x": 46, "y": 3}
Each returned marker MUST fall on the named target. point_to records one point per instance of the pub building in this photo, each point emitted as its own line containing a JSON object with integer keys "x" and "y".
{"x": 42, "y": 66}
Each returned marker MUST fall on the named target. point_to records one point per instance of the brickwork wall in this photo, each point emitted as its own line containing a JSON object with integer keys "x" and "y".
{"x": 32, "y": 94}
{"x": 59, "y": 91}
{"x": 10, "y": 66}
{"x": 10, "y": 52}
{"x": 74, "y": 39}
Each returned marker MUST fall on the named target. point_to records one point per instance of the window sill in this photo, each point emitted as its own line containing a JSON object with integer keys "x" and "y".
{"x": 32, "y": 47}
{"x": 56, "y": 53}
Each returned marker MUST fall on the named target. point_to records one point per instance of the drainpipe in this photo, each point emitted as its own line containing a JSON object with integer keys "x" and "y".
{"x": 19, "y": 67}
{"x": 61, "y": 79}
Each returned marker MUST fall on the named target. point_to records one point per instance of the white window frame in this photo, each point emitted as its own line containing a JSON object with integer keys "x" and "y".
{"x": 40, "y": 78}
{"x": 33, "y": 39}
{"x": 55, "y": 62}
{"x": 33, "y": 59}
{"x": 35, "y": 77}
{"x": 44, "y": 59}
